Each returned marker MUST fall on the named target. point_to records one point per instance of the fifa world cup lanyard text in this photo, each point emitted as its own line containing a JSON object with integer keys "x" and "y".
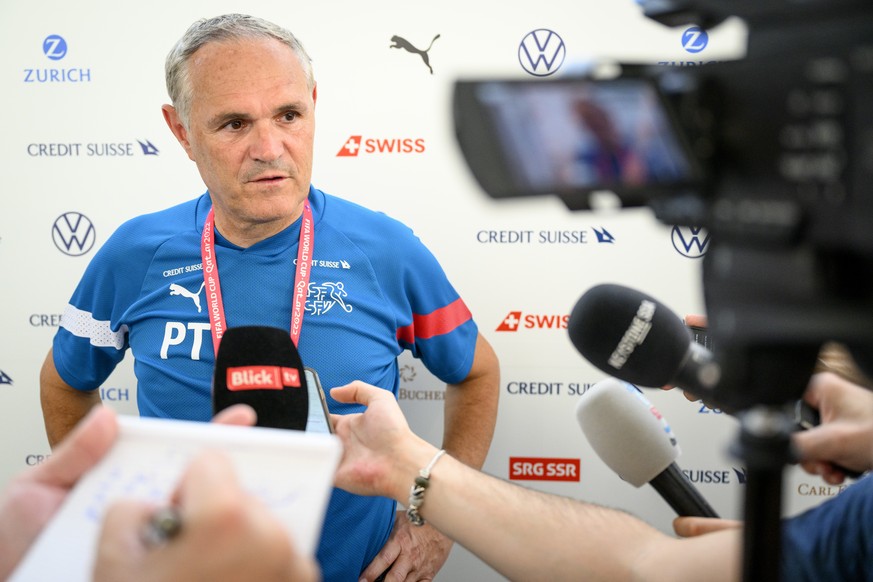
{"x": 217, "y": 320}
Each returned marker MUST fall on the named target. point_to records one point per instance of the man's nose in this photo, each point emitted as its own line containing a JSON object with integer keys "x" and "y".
{"x": 266, "y": 144}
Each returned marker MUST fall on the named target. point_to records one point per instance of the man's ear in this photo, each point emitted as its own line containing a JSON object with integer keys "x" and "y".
{"x": 174, "y": 122}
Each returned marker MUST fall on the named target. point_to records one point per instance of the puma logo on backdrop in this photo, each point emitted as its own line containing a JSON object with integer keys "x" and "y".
{"x": 402, "y": 43}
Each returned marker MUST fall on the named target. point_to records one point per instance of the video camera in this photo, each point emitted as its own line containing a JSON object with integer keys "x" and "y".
{"x": 771, "y": 153}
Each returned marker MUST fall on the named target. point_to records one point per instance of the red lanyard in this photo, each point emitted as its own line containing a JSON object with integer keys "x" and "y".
{"x": 217, "y": 320}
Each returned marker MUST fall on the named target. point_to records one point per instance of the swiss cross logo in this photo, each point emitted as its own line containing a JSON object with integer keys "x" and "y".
{"x": 351, "y": 147}
{"x": 261, "y": 378}
{"x": 510, "y": 322}
{"x": 356, "y": 145}
{"x": 514, "y": 321}
{"x": 543, "y": 469}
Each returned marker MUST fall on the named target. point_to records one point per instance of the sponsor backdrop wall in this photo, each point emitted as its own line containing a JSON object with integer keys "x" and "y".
{"x": 85, "y": 148}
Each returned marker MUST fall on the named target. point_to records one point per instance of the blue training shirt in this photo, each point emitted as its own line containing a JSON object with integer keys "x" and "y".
{"x": 374, "y": 291}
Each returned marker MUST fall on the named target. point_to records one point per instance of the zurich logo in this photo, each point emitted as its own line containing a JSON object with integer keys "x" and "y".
{"x": 54, "y": 47}
{"x": 541, "y": 52}
{"x": 74, "y": 234}
{"x": 690, "y": 241}
{"x": 694, "y": 39}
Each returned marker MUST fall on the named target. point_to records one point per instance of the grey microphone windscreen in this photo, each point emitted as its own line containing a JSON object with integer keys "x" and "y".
{"x": 626, "y": 431}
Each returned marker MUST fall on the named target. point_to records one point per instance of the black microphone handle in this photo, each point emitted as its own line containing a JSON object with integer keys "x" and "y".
{"x": 677, "y": 490}
{"x": 698, "y": 373}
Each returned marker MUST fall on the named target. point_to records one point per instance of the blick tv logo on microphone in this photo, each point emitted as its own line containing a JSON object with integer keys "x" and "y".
{"x": 262, "y": 378}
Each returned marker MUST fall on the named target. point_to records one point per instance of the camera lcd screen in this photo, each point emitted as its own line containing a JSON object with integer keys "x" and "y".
{"x": 581, "y": 135}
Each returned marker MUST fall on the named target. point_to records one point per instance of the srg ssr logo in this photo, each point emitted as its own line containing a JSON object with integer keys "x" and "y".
{"x": 543, "y": 469}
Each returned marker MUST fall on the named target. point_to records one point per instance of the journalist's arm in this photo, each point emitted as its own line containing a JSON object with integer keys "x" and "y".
{"x": 470, "y": 416}
{"x": 523, "y": 534}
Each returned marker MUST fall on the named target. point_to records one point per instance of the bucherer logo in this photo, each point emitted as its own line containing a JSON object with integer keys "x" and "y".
{"x": 543, "y": 469}
{"x": 262, "y": 378}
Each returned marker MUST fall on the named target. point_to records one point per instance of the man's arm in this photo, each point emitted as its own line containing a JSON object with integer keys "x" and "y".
{"x": 523, "y": 534}
{"x": 471, "y": 408}
{"x": 62, "y": 405}
{"x": 470, "y": 416}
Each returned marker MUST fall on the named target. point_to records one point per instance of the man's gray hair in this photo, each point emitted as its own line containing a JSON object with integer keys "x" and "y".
{"x": 217, "y": 29}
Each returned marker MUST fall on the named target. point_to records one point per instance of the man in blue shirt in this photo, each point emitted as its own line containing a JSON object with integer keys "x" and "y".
{"x": 263, "y": 246}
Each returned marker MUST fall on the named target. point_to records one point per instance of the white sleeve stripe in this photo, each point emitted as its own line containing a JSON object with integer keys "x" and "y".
{"x": 82, "y": 324}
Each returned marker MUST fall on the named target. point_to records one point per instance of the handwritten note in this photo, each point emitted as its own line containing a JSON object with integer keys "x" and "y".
{"x": 290, "y": 471}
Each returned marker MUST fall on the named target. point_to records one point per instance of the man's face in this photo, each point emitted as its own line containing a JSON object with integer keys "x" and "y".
{"x": 250, "y": 131}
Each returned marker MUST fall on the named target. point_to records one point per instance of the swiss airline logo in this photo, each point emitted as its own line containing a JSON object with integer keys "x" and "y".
{"x": 516, "y": 320}
{"x": 358, "y": 144}
{"x": 262, "y": 378}
{"x": 543, "y": 469}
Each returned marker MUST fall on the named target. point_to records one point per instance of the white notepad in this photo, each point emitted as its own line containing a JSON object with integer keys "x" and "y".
{"x": 290, "y": 471}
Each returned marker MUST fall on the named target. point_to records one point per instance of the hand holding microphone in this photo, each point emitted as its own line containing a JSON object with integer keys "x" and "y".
{"x": 636, "y": 338}
{"x": 633, "y": 337}
{"x": 635, "y": 441}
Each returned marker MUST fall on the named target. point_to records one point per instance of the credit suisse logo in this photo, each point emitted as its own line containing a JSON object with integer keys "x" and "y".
{"x": 119, "y": 149}
{"x": 516, "y": 320}
{"x": 736, "y": 475}
{"x": 543, "y": 469}
{"x": 545, "y": 237}
{"x": 357, "y": 145}
{"x": 5, "y": 379}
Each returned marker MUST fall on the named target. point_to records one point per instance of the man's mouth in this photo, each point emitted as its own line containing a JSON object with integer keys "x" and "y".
{"x": 268, "y": 179}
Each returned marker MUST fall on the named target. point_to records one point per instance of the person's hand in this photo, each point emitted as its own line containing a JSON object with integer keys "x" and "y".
{"x": 691, "y": 321}
{"x": 412, "y": 552}
{"x": 688, "y": 527}
{"x": 31, "y": 499}
{"x": 845, "y": 435}
{"x": 226, "y": 534}
{"x": 238, "y": 415}
{"x": 695, "y": 320}
{"x": 381, "y": 454}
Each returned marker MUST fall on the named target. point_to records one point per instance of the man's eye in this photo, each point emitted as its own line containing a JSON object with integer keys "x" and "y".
{"x": 291, "y": 115}
{"x": 235, "y": 124}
